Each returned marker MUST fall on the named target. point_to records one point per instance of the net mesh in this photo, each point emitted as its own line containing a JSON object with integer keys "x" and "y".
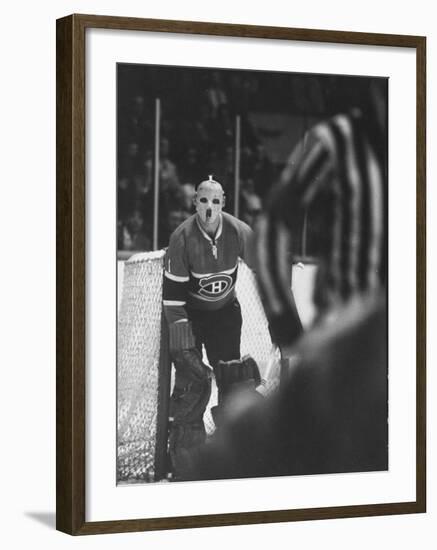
{"x": 255, "y": 336}
{"x": 139, "y": 339}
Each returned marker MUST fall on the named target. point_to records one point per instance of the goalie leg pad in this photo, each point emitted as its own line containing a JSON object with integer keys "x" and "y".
{"x": 188, "y": 364}
{"x": 188, "y": 403}
{"x": 187, "y": 429}
{"x": 190, "y": 397}
{"x": 183, "y": 441}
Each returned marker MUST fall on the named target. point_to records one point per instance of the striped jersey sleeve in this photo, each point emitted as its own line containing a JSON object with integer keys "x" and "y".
{"x": 344, "y": 160}
{"x": 176, "y": 278}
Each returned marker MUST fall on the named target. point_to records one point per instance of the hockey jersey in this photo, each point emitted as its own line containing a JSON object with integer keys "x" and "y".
{"x": 344, "y": 162}
{"x": 201, "y": 271}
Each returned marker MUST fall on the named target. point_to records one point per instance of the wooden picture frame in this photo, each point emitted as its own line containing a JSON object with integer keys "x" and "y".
{"x": 71, "y": 274}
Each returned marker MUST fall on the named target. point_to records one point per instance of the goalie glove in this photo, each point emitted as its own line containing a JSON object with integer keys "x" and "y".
{"x": 181, "y": 336}
{"x": 236, "y": 383}
{"x": 230, "y": 374}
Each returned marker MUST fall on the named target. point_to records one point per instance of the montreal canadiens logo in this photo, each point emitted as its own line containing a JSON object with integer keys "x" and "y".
{"x": 215, "y": 286}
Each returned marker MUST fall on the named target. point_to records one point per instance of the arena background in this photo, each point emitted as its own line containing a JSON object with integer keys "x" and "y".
{"x": 177, "y": 125}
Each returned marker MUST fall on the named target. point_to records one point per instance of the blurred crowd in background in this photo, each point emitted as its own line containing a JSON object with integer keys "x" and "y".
{"x": 197, "y": 138}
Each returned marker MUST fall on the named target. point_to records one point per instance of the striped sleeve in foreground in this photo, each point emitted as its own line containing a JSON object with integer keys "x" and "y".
{"x": 343, "y": 162}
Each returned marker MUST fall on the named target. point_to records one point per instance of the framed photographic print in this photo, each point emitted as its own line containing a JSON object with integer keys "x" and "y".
{"x": 240, "y": 274}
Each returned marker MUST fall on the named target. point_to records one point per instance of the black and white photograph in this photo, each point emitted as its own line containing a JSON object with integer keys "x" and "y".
{"x": 218, "y": 276}
{"x": 252, "y": 274}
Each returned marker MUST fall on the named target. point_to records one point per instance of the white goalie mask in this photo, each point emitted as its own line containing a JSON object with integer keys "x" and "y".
{"x": 209, "y": 201}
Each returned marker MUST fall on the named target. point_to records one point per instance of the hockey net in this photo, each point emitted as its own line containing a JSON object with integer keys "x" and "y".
{"x": 143, "y": 367}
